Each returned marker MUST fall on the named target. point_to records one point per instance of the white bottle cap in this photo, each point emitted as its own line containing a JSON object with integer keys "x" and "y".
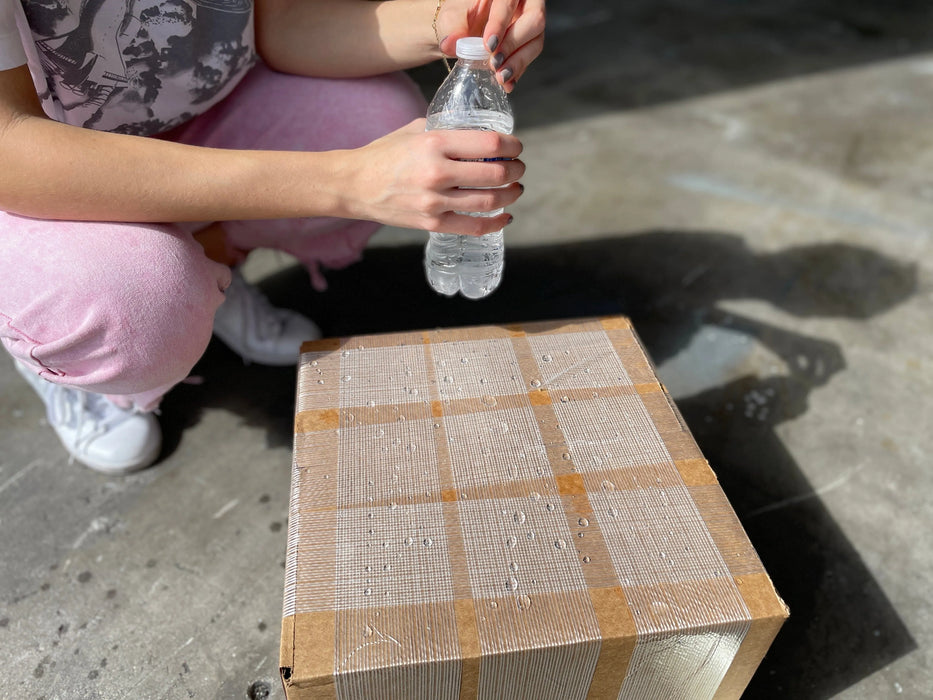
{"x": 472, "y": 48}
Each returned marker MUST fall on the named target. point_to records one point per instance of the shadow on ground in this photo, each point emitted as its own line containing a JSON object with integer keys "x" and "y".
{"x": 842, "y": 626}
{"x": 607, "y": 55}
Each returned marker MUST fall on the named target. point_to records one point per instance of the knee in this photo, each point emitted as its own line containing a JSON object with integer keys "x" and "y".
{"x": 166, "y": 319}
{"x": 397, "y": 99}
{"x": 289, "y": 112}
{"x": 378, "y": 105}
{"x": 139, "y": 320}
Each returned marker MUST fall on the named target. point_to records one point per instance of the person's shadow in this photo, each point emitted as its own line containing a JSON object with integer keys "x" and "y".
{"x": 842, "y": 627}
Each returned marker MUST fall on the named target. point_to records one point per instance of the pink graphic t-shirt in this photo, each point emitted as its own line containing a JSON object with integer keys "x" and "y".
{"x": 130, "y": 66}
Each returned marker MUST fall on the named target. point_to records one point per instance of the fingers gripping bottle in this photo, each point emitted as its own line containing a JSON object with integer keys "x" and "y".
{"x": 470, "y": 98}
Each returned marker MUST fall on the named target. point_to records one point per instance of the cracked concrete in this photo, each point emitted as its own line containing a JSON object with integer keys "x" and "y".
{"x": 751, "y": 184}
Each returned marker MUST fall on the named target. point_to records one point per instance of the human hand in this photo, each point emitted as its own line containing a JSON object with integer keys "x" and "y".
{"x": 512, "y": 30}
{"x": 413, "y": 178}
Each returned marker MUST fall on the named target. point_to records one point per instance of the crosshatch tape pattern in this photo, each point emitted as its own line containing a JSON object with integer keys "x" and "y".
{"x": 475, "y": 496}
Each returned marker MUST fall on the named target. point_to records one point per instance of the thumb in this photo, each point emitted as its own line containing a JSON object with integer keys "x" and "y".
{"x": 461, "y": 18}
{"x": 449, "y": 44}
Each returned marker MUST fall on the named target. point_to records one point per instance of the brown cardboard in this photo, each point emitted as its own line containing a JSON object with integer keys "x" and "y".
{"x": 514, "y": 511}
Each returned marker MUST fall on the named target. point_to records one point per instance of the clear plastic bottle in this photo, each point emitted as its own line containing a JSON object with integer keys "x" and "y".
{"x": 470, "y": 98}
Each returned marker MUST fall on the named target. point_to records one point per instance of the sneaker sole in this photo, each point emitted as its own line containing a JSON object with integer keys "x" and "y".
{"x": 120, "y": 468}
{"x": 112, "y": 468}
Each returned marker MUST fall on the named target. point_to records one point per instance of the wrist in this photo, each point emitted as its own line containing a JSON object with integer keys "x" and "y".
{"x": 438, "y": 37}
{"x": 299, "y": 184}
{"x": 342, "y": 187}
{"x": 411, "y": 23}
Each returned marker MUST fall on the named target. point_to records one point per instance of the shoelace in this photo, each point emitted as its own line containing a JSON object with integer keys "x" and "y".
{"x": 90, "y": 415}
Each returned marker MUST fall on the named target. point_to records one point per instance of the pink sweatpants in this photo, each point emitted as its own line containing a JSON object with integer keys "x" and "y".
{"x": 126, "y": 309}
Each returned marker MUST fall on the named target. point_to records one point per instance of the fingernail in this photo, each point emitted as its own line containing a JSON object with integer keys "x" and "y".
{"x": 497, "y": 60}
{"x": 511, "y": 219}
{"x": 441, "y": 42}
{"x": 522, "y": 186}
{"x": 493, "y": 42}
{"x": 506, "y": 74}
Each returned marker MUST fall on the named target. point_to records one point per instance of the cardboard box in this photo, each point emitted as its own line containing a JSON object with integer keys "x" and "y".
{"x": 510, "y": 512}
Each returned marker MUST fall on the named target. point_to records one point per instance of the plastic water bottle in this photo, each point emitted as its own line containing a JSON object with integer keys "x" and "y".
{"x": 470, "y": 98}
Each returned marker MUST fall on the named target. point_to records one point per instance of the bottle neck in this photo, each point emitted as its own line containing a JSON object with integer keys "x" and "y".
{"x": 475, "y": 63}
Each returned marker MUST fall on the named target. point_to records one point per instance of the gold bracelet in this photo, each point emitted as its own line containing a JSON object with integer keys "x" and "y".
{"x": 437, "y": 11}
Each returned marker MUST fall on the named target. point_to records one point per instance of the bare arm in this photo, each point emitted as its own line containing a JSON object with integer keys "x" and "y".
{"x": 345, "y": 38}
{"x": 53, "y": 170}
{"x": 352, "y": 38}
{"x": 408, "y": 178}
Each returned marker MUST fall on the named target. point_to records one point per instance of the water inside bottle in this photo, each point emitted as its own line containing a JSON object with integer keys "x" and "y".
{"x": 483, "y": 119}
{"x": 468, "y": 264}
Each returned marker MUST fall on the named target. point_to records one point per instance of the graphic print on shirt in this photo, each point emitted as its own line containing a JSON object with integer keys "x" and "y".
{"x": 139, "y": 66}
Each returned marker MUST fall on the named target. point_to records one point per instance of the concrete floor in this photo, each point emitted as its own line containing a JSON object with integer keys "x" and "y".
{"x": 752, "y": 183}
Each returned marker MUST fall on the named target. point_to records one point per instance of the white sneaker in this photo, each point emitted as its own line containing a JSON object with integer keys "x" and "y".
{"x": 96, "y": 432}
{"x": 256, "y": 330}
